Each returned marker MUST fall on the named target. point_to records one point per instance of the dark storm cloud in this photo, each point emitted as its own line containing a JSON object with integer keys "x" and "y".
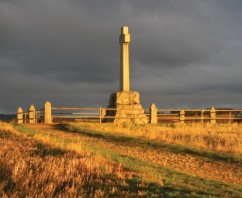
{"x": 54, "y": 36}
{"x": 182, "y": 52}
{"x": 185, "y": 33}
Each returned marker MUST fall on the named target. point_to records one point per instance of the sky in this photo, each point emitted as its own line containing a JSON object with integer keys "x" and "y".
{"x": 183, "y": 53}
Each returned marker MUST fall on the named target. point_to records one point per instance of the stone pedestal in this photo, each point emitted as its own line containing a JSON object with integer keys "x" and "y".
{"x": 127, "y": 108}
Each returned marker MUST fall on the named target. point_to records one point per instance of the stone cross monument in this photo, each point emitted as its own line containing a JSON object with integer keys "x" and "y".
{"x": 125, "y": 102}
{"x": 124, "y": 41}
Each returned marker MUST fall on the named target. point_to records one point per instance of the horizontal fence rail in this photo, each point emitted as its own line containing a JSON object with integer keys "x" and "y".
{"x": 49, "y": 114}
{"x": 200, "y": 115}
{"x": 76, "y": 114}
{"x": 33, "y": 116}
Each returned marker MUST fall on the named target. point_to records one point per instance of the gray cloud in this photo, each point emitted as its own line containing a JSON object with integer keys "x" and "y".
{"x": 182, "y": 52}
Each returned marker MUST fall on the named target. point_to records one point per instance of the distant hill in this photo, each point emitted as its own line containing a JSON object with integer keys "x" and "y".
{"x": 7, "y": 117}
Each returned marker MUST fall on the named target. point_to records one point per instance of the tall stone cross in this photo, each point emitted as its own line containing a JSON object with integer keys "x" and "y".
{"x": 124, "y": 41}
{"x": 126, "y": 103}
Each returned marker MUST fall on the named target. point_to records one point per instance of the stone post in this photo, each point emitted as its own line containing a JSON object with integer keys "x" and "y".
{"x": 153, "y": 114}
{"x": 20, "y": 116}
{"x": 47, "y": 113}
{"x": 182, "y": 116}
{"x": 37, "y": 116}
{"x": 102, "y": 114}
{"x": 31, "y": 114}
{"x": 202, "y": 116}
{"x": 212, "y": 115}
{"x": 124, "y": 41}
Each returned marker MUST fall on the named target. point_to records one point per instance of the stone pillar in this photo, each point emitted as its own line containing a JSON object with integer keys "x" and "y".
{"x": 153, "y": 114}
{"x": 47, "y": 113}
{"x": 212, "y": 115}
{"x": 126, "y": 103}
{"x": 124, "y": 41}
{"x": 102, "y": 114}
{"x": 31, "y": 114}
{"x": 182, "y": 116}
{"x": 20, "y": 116}
{"x": 37, "y": 117}
{"x": 202, "y": 116}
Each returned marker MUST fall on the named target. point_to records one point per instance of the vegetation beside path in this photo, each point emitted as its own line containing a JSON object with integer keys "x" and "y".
{"x": 127, "y": 166}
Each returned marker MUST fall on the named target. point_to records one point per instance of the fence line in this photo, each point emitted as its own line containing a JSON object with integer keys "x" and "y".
{"x": 49, "y": 114}
{"x": 212, "y": 115}
{"x": 31, "y": 116}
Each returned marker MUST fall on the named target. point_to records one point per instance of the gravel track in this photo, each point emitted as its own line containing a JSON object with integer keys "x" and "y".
{"x": 182, "y": 162}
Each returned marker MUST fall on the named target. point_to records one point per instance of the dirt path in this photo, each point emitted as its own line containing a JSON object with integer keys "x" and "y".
{"x": 184, "y": 163}
{"x": 181, "y": 162}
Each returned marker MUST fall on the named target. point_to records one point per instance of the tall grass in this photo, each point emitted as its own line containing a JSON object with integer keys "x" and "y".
{"x": 226, "y": 138}
{"x": 30, "y": 168}
{"x": 48, "y": 161}
{"x": 69, "y": 141}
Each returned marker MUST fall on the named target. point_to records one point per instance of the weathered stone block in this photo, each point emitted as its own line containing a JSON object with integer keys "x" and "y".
{"x": 124, "y": 98}
{"x": 153, "y": 114}
{"x": 32, "y": 114}
{"x": 128, "y": 108}
{"x": 20, "y": 116}
{"x": 47, "y": 113}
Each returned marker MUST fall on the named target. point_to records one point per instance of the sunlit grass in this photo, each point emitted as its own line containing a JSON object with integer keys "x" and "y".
{"x": 68, "y": 141}
{"x": 226, "y": 138}
{"x": 47, "y": 167}
{"x": 64, "y": 160}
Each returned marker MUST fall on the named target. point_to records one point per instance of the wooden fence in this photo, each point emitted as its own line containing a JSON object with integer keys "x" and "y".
{"x": 62, "y": 114}
{"x": 31, "y": 116}
{"x": 49, "y": 114}
{"x": 199, "y": 115}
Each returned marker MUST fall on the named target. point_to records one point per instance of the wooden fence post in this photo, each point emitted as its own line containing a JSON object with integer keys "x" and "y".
{"x": 31, "y": 114}
{"x": 212, "y": 115}
{"x": 20, "y": 116}
{"x": 202, "y": 116}
{"x": 153, "y": 114}
{"x": 230, "y": 118}
{"x": 103, "y": 113}
{"x": 182, "y": 116}
{"x": 47, "y": 113}
{"x": 37, "y": 116}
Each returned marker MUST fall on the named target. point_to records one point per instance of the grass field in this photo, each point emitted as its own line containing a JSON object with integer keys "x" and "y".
{"x": 105, "y": 160}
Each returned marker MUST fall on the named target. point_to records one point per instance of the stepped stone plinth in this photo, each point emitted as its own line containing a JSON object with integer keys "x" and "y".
{"x": 128, "y": 108}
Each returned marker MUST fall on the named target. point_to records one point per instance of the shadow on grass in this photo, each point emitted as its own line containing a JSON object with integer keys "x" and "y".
{"x": 6, "y": 181}
{"x": 177, "y": 184}
{"x": 186, "y": 187}
{"x": 109, "y": 186}
{"x": 156, "y": 190}
{"x": 114, "y": 187}
{"x": 43, "y": 151}
{"x": 136, "y": 141}
{"x": 5, "y": 134}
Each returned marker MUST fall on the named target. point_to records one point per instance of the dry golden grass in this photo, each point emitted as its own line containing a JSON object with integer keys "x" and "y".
{"x": 67, "y": 161}
{"x": 31, "y": 168}
{"x": 226, "y": 138}
{"x": 6, "y": 127}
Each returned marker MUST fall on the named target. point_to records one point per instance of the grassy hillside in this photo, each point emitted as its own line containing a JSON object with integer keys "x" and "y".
{"x": 93, "y": 160}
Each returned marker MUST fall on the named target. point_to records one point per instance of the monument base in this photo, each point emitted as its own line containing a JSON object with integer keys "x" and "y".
{"x": 127, "y": 108}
